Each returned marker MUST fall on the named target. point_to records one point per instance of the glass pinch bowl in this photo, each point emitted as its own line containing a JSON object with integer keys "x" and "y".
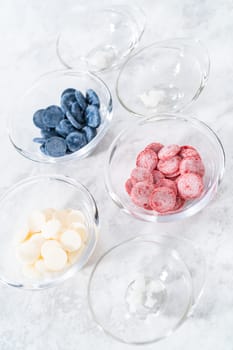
{"x": 166, "y": 129}
{"x": 111, "y": 33}
{"x": 143, "y": 289}
{"x": 163, "y": 77}
{"x": 47, "y": 91}
{"x": 38, "y": 193}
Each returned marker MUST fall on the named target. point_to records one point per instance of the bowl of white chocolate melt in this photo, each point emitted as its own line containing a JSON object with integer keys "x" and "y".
{"x": 48, "y": 231}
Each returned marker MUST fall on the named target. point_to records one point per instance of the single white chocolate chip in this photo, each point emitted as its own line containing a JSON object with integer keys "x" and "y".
{"x": 28, "y": 252}
{"x": 62, "y": 216}
{"x": 80, "y": 229}
{"x": 55, "y": 258}
{"x": 38, "y": 239}
{"x": 47, "y": 245}
{"x": 101, "y": 58}
{"x": 152, "y": 98}
{"x": 76, "y": 216}
{"x": 36, "y": 221}
{"x": 21, "y": 234}
{"x": 51, "y": 228}
{"x": 40, "y": 266}
{"x": 49, "y": 213}
{"x": 71, "y": 240}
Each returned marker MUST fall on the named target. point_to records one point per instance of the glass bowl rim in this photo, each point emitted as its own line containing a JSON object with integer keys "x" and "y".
{"x": 190, "y": 119}
{"x": 190, "y": 306}
{"x": 162, "y": 44}
{"x": 72, "y": 270}
{"x": 82, "y": 152}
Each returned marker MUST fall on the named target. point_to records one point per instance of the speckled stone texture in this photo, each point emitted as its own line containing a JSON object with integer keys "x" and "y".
{"x": 58, "y": 319}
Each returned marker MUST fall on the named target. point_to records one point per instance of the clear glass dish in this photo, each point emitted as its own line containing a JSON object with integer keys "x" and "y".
{"x": 163, "y": 77}
{"x": 166, "y": 129}
{"x": 47, "y": 91}
{"x": 110, "y": 35}
{"x": 143, "y": 289}
{"x": 41, "y": 192}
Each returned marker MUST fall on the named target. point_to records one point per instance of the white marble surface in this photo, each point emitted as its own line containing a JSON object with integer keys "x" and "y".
{"x": 58, "y": 319}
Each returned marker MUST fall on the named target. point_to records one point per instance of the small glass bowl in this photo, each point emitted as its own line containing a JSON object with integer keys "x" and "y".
{"x": 47, "y": 91}
{"x": 35, "y": 193}
{"x": 143, "y": 289}
{"x": 166, "y": 129}
{"x": 163, "y": 77}
{"x": 110, "y": 35}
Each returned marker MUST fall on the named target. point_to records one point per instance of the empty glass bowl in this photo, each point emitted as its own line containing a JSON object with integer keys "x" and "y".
{"x": 38, "y": 193}
{"x": 99, "y": 39}
{"x": 47, "y": 91}
{"x": 141, "y": 290}
{"x": 163, "y": 77}
{"x": 166, "y": 129}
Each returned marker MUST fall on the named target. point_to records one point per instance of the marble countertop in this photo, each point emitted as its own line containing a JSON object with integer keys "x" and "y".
{"x": 58, "y": 318}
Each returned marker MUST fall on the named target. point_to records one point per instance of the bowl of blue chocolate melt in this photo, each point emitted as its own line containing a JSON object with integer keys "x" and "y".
{"x": 63, "y": 116}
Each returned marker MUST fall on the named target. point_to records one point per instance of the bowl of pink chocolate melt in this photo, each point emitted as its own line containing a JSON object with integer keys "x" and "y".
{"x": 165, "y": 168}
{"x": 165, "y": 177}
